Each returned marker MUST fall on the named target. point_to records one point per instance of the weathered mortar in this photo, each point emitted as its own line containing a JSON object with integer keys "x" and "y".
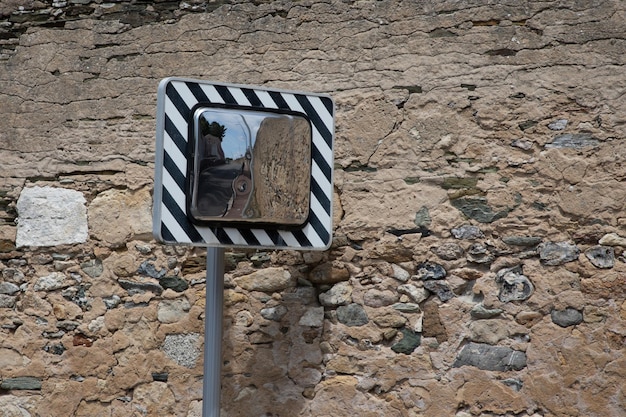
{"x": 478, "y": 266}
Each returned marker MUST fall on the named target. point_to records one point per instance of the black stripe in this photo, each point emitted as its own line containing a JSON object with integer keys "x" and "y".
{"x": 166, "y": 234}
{"x": 328, "y": 103}
{"x": 301, "y": 238}
{"x": 249, "y": 237}
{"x": 177, "y": 137}
{"x": 197, "y": 92}
{"x": 321, "y": 162}
{"x": 320, "y": 195}
{"x": 180, "y": 217}
{"x": 252, "y": 97}
{"x": 222, "y": 236}
{"x": 173, "y": 170}
{"x": 279, "y": 100}
{"x": 276, "y": 237}
{"x": 319, "y": 228}
{"x": 315, "y": 119}
{"x": 225, "y": 94}
{"x": 177, "y": 101}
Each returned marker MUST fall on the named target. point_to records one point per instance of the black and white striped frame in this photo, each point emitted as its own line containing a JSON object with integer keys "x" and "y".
{"x": 176, "y": 97}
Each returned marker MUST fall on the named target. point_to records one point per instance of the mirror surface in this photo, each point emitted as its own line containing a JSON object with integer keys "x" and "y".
{"x": 250, "y": 166}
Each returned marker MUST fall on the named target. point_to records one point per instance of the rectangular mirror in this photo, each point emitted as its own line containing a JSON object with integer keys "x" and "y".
{"x": 249, "y": 166}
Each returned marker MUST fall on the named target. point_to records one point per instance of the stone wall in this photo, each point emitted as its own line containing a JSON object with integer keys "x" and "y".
{"x": 478, "y": 264}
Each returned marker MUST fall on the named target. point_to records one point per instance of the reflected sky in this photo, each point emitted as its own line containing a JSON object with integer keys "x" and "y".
{"x": 241, "y": 129}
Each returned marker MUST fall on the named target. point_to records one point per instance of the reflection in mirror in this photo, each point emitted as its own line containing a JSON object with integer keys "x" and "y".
{"x": 250, "y": 166}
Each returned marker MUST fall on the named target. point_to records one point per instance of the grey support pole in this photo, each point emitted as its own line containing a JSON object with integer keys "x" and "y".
{"x": 213, "y": 313}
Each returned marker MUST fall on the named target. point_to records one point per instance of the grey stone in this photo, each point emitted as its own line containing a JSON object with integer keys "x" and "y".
{"x": 558, "y": 124}
{"x": 409, "y": 342}
{"x": 440, "y": 289}
{"x": 174, "y": 283}
{"x": 522, "y": 240}
{"x": 422, "y": 217}
{"x": 417, "y": 294}
{"x": 613, "y": 239}
{"x": 266, "y": 280}
{"x": 147, "y": 268}
{"x": 21, "y": 383}
{"x": 8, "y": 288}
{"x": 7, "y": 301}
{"x": 490, "y": 358}
{"x": 479, "y": 254}
{"x": 601, "y": 256}
{"x": 400, "y": 273}
{"x": 448, "y": 251}
{"x": 274, "y": 313}
{"x": 514, "y": 383}
{"x": 522, "y": 144}
{"x": 557, "y": 253}
{"x": 13, "y": 275}
{"x": 92, "y": 267}
{"x": 182, "y": 348}
{"x": 55, "y": 349}
{"x": 565, "y": 318}
{"x": 467, "y": 232}
{"x": 480, "y": 312}
{"x": 338, "y": 295}
{"x": 134, "y": 287}
{"x": 352, "y": 315}
{"x": 49, "y": 216}
{"x": 573, "y": 140}
{"x": 312, "y": 317}
{"x": 514, "y": 285}
{"x": 477, "y": 208}
{"x": 430, "y": 270}
{"x": 407, "y": 307}
{"x": 54, "y": 281}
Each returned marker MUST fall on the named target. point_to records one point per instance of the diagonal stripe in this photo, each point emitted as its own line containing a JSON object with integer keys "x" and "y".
{"x": 289, "y": 239}
{"x": 197, "y": 92}
{"x": 239, "y": 96}
{"x": 174, "y": 133}
{"x": 320, "y": 196}
{"x": 180, "y": 217}
{"x": 173, "y": 171}
{"x": 222, "y": 236}
{"x": 321, "y": 163}
{"x": 186, "y": 95}
{"x": 225, "y": 94}
{"x": 266, "y": 99}
{"x": 263, "y": 237}
{"x": 321, "y": 214}
{"x": 249, "y": 237}
{"x": 252, "y": 97}
{"x": 316, "y": 232}
{"x": 279, "y": 100}
{"x": 301, "y": 238}
{"x": 211, "y": 93}
{"x": 177, "y": 101}
{"x": 316, "y": 119}
{"x": 176, "y": 231}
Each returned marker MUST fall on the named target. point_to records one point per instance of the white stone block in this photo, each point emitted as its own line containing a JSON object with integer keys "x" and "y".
{"x": 49, "y": 216}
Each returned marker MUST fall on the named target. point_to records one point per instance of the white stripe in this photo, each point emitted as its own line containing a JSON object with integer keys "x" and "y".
{"x": 207, "y": 235}
{"x": 289, "y": 239}
{"x": 262, "y": 236}
{"x": 186, "y": 94}
{"x": 322, "y": 147}
{"x": 313, "y": 237}
{"x": 321, "y": 214}
{"x": 266, "y": 99}
{"x": 177, "y": 119}
{"x": 177, "y": 194}
{"x": 211, "y": 93}
{"x": 324, "y": 115}
{"x": 324, "y": 184}
{"x": 177, "y": 156}
{"x": 292, "y": 102}
{"x": 239, "y": 96}
{"x": 235, "y": 236}
{"x": 172, "y": 225}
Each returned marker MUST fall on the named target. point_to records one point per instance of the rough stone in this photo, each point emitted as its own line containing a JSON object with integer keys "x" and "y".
{"x": 558, "y": 124}
{"x": 558, "y": 253}
{"x": 601, "y": 256}
{"x": 467, "y": 232}
{"x": 352, "y": 315}
{"x": 448, "y": 251}
{"x": 417, "y": 294}
{"x": 567, "y": 317}
{"x": 182, "y": 348}
{"x": 480, "y": 312}
{"x": 378, "y": 298}
{"x": 329, "y": 273}
{"x": 522, "y": 240}
{"x": 613, "y": 239}
{"x": 8, "y": 288}
{"x": 93, "y": 268}
{"x": 52, "y": 282}
{"x": 573, "y": 140}
{"x": 312, "y": 317}
{"x": 274, "y": 313}
{"x": 266, "y": 280}
{"x": 338, "y": 295}
{"x": 174, "y": 283}
{"x": 440, "y": 289}
{"x": 514, "y": 285}
{"x": 50, "y": 216}
{"x": 21, "y": 383}
{"x": 490, "y": 358}
{"x": 409, "y": 342}
{"x": 478, "y": 209}
{"x": 430, "y": 270}
{"x": 171, "y": 311}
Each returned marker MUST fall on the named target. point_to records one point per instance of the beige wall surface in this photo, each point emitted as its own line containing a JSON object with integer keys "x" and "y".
{"x": 478, "y": 264}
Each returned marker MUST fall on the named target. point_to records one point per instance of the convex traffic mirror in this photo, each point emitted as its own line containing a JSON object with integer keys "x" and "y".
{"x": 249, "y": 166}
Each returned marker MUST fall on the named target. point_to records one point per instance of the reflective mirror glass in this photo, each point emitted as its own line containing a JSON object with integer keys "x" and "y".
{"x": 250, "y": 166}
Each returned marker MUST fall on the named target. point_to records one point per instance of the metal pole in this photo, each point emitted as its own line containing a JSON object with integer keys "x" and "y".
{"x": 213, "y": 312}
